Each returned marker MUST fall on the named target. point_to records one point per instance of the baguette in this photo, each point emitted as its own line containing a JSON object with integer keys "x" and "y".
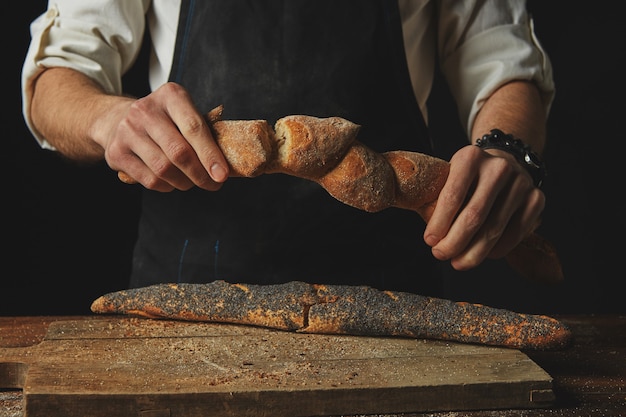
{"x": 326, "y": 150}
{"x": 338, "y": 309}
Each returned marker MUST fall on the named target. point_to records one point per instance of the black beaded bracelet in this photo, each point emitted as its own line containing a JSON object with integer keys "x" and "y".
{"x": 533, "y": 163}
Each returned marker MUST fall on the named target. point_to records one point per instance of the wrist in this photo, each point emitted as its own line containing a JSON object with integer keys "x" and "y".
{"x": 531, "y": 161}
{"x": 107, "y": 114}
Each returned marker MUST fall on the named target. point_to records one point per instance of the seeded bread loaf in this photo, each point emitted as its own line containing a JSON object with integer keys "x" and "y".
{"x": 338, "y": 309}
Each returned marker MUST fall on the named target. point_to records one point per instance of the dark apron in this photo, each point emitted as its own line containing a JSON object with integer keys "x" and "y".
{"x": 266, "y": 60}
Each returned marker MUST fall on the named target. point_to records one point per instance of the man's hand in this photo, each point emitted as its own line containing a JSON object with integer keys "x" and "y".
{"x": 160, "y": 140}
{"x": 487, "y": 206}
{"x": 164, "y": 143}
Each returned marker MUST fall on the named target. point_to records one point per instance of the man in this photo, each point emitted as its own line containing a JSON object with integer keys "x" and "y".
{"x": 370, "y": 62}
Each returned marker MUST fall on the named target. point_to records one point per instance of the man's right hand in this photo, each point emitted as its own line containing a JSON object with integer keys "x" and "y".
{"x": 160, "y": 141}
{"x": 164, "y": 143}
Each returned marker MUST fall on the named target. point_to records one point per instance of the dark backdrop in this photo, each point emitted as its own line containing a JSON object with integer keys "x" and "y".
{"x": 68, "y": 230}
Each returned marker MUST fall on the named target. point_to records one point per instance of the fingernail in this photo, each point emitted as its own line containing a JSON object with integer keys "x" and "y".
{"x": 431, "y": 240}
{"x": 438, "y": 254}
{"x": 218, "y": 173}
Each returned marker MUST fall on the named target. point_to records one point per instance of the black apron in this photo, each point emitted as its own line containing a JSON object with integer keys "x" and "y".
{"x": 266, "y": 60}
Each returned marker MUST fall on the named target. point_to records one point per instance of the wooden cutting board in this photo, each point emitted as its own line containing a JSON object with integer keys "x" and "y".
{"x": 123, "y": 366}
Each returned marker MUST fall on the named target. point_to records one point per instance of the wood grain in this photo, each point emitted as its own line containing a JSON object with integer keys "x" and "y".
{"x": 107, "y": 366}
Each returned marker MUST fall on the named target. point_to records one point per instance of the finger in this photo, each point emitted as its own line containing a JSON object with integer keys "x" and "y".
{"x": 471, "y": 218}
{"x": 514, "y": 216}
{"x": 494, "y": 174}
{"x": 146, "y": 163}
{"x": 141, "y": 174}
{"x": 491, "y": 232}
{"x": 171, "y": 158}
{"x": 523, "y": 222}
{"x": 196, "y": 132}
{"x": 452, "y": 197}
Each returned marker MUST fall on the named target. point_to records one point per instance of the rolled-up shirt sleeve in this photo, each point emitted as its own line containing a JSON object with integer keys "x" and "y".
{"x": 483, "y": 48}
{"x": 99, "y": 38}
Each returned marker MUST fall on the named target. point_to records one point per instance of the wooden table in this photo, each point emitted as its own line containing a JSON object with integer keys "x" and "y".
{"x": 589, "y": 378}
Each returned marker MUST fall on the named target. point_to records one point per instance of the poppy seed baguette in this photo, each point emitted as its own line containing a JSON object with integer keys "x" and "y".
{"x": 338, "y": 309}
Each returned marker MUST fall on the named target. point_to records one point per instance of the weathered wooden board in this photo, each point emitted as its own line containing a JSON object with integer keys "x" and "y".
{"x": 125, "y": 366}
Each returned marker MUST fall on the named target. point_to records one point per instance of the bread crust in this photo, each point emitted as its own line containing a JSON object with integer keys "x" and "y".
{"x": 338, "y": 309}
{"x": 247, "y": 145}
{"x": 363, "y": 179}
{"x": 309, "y": 147}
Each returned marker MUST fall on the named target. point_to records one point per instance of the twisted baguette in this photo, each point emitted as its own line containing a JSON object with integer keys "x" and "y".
{"x": 326, "y": 150}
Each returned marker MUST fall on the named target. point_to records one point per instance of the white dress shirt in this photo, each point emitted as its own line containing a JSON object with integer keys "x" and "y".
{"x": 481, "y": 44}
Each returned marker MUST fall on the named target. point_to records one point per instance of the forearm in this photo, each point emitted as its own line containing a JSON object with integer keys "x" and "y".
{"x": 74, "y": 113}
{"x": 515, "y": 108}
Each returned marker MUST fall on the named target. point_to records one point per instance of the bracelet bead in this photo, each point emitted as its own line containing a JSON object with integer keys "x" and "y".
{"x": 533, "y": 163}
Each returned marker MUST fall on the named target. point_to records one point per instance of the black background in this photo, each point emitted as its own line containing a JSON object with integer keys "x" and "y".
{"x": 68, "y": 230}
